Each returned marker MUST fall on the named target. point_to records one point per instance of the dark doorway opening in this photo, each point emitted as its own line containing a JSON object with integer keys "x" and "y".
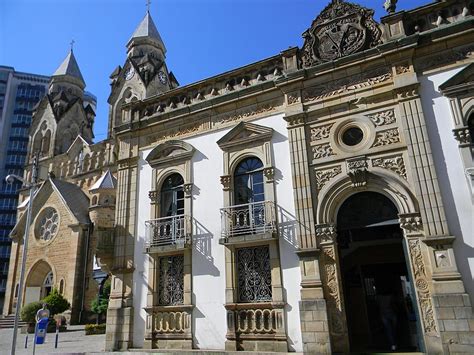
{"x": 378, "y": 293}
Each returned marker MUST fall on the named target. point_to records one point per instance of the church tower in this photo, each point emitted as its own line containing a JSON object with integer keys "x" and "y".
{"x": 144, "y": 73}
{"x": 61, "y": 115}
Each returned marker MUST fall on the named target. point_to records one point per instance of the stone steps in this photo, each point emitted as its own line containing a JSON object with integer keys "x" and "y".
{"x": 9, "y": 322}
{"x": 191, "y": 352}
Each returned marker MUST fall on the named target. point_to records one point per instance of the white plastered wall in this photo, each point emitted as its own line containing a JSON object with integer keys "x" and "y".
{"x": 451, "y": 172}
{"x": 209, "y": 315}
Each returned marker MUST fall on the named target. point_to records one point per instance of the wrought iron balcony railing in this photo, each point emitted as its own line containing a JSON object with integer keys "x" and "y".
{"x": 251, "y": 218}
{"x": 168, "y": 231}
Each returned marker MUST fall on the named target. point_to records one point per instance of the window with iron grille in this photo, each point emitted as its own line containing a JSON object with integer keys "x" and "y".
{"x": 254, "y": 274}
{"x": 171, "y": 280}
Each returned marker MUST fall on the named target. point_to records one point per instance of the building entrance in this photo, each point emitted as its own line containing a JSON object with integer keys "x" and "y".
{"x": 378, "y": 293}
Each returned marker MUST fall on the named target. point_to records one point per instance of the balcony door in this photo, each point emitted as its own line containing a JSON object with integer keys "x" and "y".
{"x": 248, "y": 182}
{"x": 172, "y": 196}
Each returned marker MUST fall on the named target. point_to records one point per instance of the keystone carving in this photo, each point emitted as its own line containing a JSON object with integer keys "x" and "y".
{"x": 340, "y": 30}
{"x": 357, "y": 171}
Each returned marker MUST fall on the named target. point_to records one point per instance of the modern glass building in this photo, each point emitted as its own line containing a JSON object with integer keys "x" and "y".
{"x": 19, "y": 93}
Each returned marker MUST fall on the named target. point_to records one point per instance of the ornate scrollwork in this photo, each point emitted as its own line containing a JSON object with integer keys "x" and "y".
{"x": 322, "y": 151}
{"x": 383, "y": 118}
{"x": 323, "y": 176}
{"x": 387, "y": 137}
{"x": 395, "y": 164}
{"x": 171, "y": 280}
{"x": 340, "y": 30}
{"x": 422, "y": 287}
{"x": 254, "y": 274}
{"x": 320, "y": 132}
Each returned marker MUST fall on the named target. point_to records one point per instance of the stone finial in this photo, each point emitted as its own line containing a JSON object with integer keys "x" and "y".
{"x": 390, "y": 6}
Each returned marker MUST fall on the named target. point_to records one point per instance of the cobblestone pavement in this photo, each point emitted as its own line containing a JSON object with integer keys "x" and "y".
{"x": 74, "y": 341}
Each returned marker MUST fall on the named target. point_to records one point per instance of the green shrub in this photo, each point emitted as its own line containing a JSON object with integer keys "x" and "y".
{"x": 92, "y": 329}
{"x": 28, "y": 312}
{"x": 56, "y": 302}
{"x": 99, "y": 307}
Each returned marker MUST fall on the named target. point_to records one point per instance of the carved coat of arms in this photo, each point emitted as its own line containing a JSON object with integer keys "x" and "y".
{"x": 341, "y": 29}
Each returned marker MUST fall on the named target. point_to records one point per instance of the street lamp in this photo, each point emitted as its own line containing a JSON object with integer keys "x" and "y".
{"x": 31, "y": 186}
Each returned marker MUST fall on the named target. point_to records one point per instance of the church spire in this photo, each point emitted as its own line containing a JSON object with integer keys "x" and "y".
{"x": 68, "y": 77}
{"x": 146, "y": 35}
{"x": 69, "y": 67}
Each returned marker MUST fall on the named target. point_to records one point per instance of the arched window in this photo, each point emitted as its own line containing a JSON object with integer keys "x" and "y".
{"x": 172, "y": 196}
{"x": 94, "y": 200}
{"x": 248, "y": 182}
{"x": 37, "y": 141}
{"x": 45, "y": 143}
{"x": 470, "y": 126}
{"x": 48, "y": 284}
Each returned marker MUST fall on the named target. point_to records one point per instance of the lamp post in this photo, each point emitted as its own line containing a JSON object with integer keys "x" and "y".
{"x": 31, "y": 186}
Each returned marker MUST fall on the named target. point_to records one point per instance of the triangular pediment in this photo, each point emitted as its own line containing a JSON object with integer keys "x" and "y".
{"x": 460, "y": 82}
{"x": 78, "y": 145}
{"x": 245, "y": 134}
{"x": 170, "y": 151}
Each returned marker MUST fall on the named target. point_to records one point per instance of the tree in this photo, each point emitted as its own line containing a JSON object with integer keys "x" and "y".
{"x": 56, "y": 302}
{"x": 28, "y": 312}
{"x": 100, "y": 304}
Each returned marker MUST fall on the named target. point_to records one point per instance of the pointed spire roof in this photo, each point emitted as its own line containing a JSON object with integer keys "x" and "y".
{"x": 106, "y": 181}
{"x": 147, "y": 29}
{"x": 69, "y": 67}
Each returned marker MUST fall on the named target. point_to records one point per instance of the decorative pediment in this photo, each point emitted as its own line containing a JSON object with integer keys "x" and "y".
{"x": 77, "y": 146}
{"x": 170, "y": 152}
{"x": 245, "y": 134}
{"x": 459, "y": 83}
{"x": 341, "y": 29}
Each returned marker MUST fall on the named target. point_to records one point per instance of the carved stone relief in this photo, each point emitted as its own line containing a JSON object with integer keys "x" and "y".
{"x": 340, "y": 30}
{"x": 323, "y": 176}
{"x": 411, "y": 223}
{"x": 383, "y": 118}
{"x": 422, "y": 287}
{"x": 320, "y": 132}
{"x": 394, "y": 163}
{"x": 322, "y": 151}
{"x": 246, "y": 113}
{"x": 347, "y": 84}
{"x": 269, "y": 174}
{"x": 226, "y": 181}
{"x": 326, "y": 233}
{"x": 387, "y": 137}
{"x": 442, "y": 258}
{"x": 462, "y": 135}
{"x": 357, "y": 171}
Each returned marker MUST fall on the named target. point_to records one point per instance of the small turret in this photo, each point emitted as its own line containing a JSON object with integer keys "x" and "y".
{"x": 68, "y": 78}
{"x": 102, "y": 202}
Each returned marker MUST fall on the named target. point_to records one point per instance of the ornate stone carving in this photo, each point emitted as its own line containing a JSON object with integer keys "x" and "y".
{"x": 402, "y": 69}
{"x": 383, "y": 118}
{"x": 445, "y": 58}
{"x": 462, "y": 135}
{"x": 323, "y": 176}
{"x": 188, "y": 189}
{"x": 322, "y": 151}
{"x": 442, "y": 258}
{"x": 226, "y": 181}
{"x": 244, "y": 114}
{"x": 357, "y": 171}
{"x": 320, "y": 132}
{"x": 293, "y": 98}
{"x": 390, "y": 6}
{"x": 411, "y": 223}
{"x": 269, "y": 174}
{"x": 347, "y": 84}
{"x": 340, "y": 30}
{"x": 387, "y": 137}
{"x": 195, "y": 127}
{"x": 326, "y": 233}
{"x": 422, "y": 287}
{"x": 154, "y": 196}
{"x": 394, "y": 163}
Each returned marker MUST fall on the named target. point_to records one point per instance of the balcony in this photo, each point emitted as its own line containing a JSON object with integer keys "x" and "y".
{"x": 248, "y": 222}
{"x": 168, "y": 233}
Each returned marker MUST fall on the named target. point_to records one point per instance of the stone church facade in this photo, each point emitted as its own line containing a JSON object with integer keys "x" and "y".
{"x": 278, "y": 206}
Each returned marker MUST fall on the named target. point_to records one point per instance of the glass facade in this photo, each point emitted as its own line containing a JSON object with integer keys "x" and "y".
{"x": 19, "y": 94}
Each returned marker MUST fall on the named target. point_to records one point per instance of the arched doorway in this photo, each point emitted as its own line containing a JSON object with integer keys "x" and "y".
{"x": 39, "y": 282}
{"x": 378, "y": 293}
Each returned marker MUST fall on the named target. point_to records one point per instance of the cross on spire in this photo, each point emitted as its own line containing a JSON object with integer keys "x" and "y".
{"x": 148, "y": 2}
{"x": 72, "y": 44}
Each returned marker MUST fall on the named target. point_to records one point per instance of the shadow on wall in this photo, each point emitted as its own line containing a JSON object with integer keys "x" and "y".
{"x": 203, "y": 261}
{"x": 464, "y": 251}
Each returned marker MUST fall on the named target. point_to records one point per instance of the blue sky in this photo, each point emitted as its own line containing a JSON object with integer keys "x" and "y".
{"x": 203, "y": 37}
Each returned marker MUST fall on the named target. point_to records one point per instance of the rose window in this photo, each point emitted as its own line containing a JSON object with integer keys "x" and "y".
{"x": 48, "y": 224}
